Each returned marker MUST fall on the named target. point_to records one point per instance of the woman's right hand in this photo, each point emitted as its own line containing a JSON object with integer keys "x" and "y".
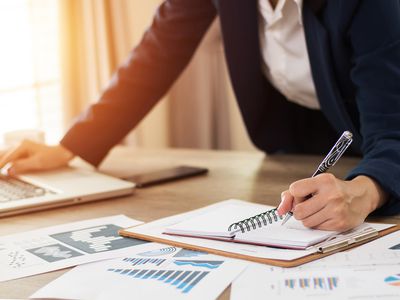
{"x": 31, "y": 156}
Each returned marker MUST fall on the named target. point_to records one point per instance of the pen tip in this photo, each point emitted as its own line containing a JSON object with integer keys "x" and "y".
{"x": 287, "y": 217}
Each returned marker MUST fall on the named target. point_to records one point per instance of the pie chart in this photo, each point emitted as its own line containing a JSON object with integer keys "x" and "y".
{"x": 393, "y": 280}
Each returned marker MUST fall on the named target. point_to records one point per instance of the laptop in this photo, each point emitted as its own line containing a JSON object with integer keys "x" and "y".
{"x": 43, "y": 190}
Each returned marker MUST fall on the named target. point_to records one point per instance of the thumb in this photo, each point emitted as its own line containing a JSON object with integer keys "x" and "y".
{"x": 23, "y": 165}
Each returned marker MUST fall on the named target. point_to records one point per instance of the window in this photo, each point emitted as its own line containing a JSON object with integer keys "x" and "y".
{"x": 30, "y": 91}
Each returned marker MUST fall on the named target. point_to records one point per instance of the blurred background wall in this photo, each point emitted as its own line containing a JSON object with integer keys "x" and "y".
{"x": 78, "y": 44}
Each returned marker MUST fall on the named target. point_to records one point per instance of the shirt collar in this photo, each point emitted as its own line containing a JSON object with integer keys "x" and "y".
{"x": 299, "y": 4}
{"x": 276, "y": 14}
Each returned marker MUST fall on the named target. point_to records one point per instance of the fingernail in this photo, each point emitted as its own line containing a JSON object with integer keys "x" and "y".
{"x": 280, "y": 204}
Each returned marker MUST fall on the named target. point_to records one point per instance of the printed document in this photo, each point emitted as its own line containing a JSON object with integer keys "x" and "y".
{"x": 62, "y": 246}
{"x": 370, "y": 271}
{"x": 163, "y": 272}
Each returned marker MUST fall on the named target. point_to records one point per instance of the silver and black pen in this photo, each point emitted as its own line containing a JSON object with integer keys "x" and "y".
{"x": 330, "y": 160}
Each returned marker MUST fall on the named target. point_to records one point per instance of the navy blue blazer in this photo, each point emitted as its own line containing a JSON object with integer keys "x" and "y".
{"x": 354, "y": 50}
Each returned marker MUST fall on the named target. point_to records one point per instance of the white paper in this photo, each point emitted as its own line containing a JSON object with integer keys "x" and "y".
{"x": 390, "y": 242}
{"x": 382, "y": 251}
{"x": 368, "y": 282}
{"x": 293, "y": 235}
{"x": 157, "y": 228}
{"x": 370, "y": 271}
{"x": 63, "y": 246}
{"x": 215, "y": 223}
{"x": 164, "y": 272}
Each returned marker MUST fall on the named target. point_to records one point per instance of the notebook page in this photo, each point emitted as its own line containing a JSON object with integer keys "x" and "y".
{"x": 291, "y": 235}
{"x": 155, "y": 231}
{"x": 216, "y": 222}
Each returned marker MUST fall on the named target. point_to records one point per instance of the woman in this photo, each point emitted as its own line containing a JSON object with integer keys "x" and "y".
{"x": 302, "y": 71}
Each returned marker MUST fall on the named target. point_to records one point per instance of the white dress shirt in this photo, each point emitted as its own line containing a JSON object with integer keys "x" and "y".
{"x": 285, "y": 58}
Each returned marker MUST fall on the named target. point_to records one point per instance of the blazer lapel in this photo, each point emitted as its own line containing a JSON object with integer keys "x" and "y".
{"x": 331, "y": 101}
{"x": 315, "y": 5}
{"x": 261, "y": 105}
{"x": 239, "y": 25}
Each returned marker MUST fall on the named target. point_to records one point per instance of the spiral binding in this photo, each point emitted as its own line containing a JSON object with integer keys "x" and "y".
{"x": 256, "y": 221}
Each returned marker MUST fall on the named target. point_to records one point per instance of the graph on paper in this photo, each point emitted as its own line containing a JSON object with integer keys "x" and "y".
{"x": 54, "y": 252}
{"x": 316, "y": 283}
{"x": 96, "y": 239}
{"x": 209, "y": 264}
{"x": 184, "y": 281}
{"x": 179, "y": 274}
{"x": 189, "y": 253}
{"x": 393, "y": 280}
{"x": 143, "y": 261}
{"x": 159, "y": 252}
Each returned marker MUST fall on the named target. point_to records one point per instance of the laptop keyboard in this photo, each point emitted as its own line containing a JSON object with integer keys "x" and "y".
{"x": 13, "y": 189}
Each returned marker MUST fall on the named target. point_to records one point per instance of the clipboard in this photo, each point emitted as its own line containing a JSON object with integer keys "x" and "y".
{"x": 341, "y": 242}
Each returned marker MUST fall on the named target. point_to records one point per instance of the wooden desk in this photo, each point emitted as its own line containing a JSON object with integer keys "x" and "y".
{"x": 244, "y": 175}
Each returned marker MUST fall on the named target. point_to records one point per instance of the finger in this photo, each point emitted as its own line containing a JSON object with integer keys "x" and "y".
{"x": 305, "y": 209}
{"x": 11, "y": 156}
{"x": 286, "y": 204}
{"x": 303, "y": 188}
{"x": 317, "y": 218}
{"x": 24, "y": 165}
{"x": 335, "y": 225}
{"x": 16, "y": 153}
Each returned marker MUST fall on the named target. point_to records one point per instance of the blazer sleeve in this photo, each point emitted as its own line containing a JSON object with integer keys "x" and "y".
{"x": 164, "y": 51}
{"x": 375, "y": 39}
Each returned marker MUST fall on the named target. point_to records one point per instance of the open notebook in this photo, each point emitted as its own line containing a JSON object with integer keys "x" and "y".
{"x": 214, "y": 225}
{"x": 206, "y": 229}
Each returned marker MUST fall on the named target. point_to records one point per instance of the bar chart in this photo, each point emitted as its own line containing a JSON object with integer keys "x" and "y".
{"x": 315, "y": 283}
{"x": 139, "y": 277}
{"x": 182, "y": 280}
{"x": 182, "y": 275}
{"x": 144, "y": 261}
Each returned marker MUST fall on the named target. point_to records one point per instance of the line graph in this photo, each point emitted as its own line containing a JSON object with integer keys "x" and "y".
{"x": 189, "y": 253}
{"x": 209, "y": 264}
